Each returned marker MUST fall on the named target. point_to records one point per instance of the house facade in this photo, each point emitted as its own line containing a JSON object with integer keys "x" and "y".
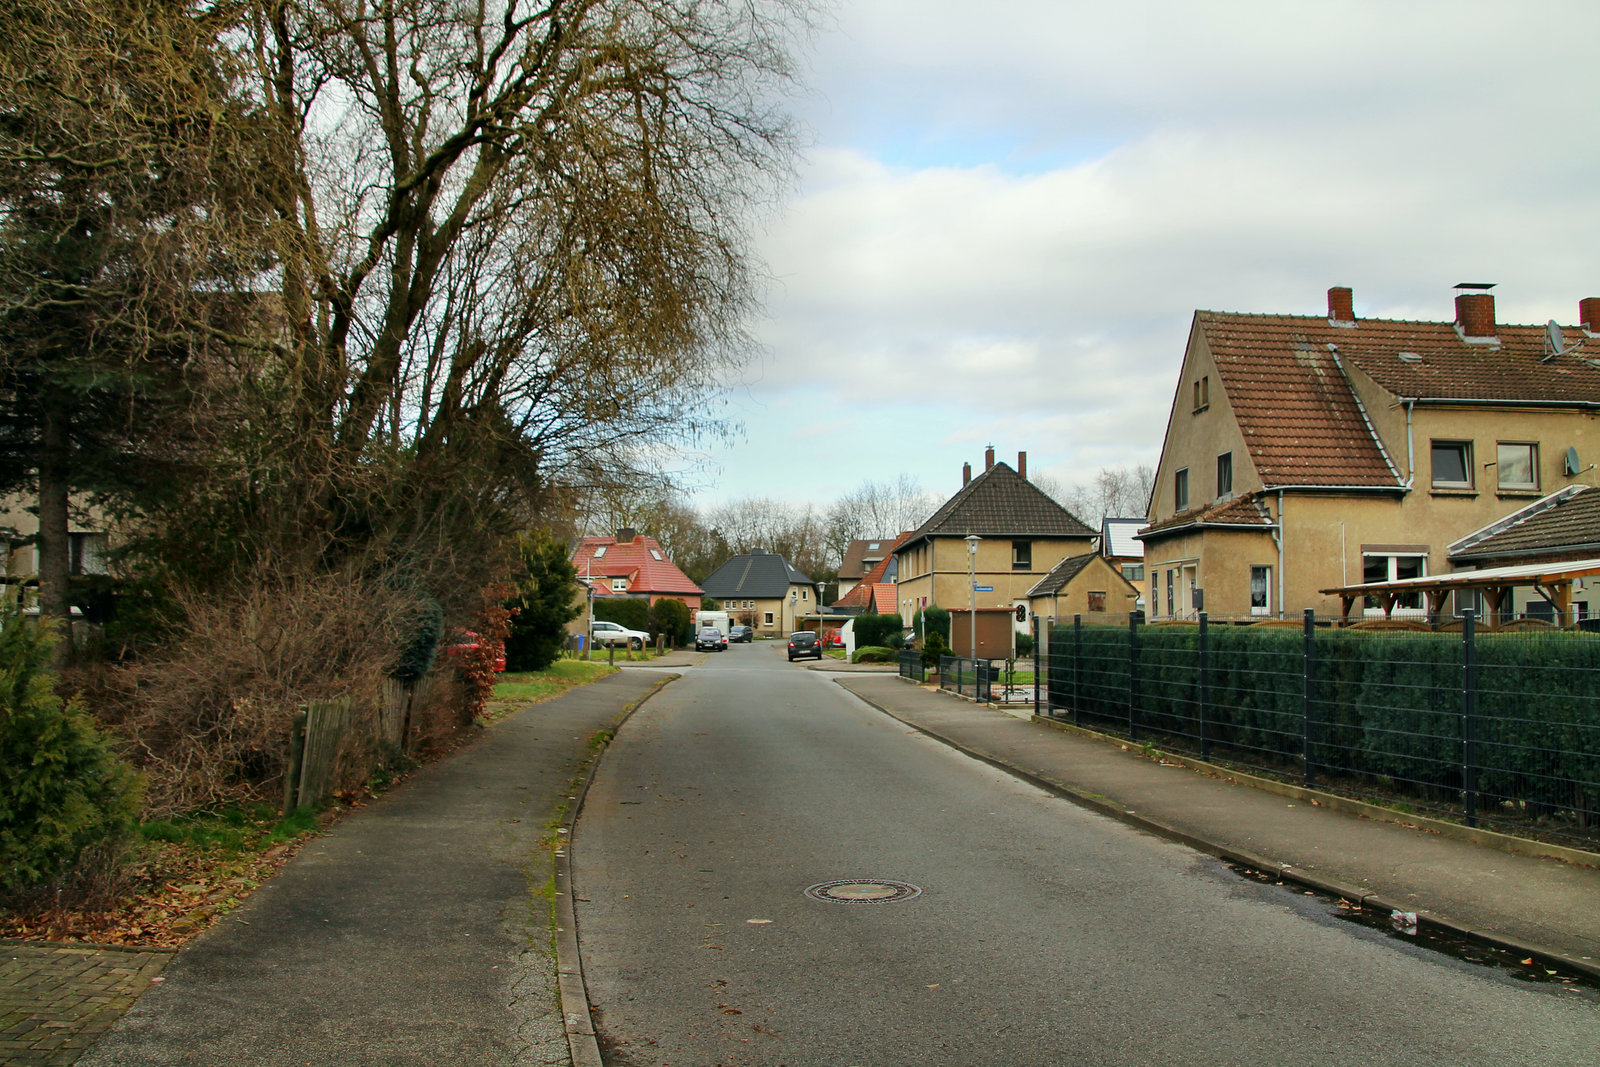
{"x": 764, "y": 591}
{"x": 1307, "y": 452}
{"x": 1088, "y": 585}
{"x": 1020, "y": 535}
{"x": 633, "y": 565}
{"x": 1121, "y": 547}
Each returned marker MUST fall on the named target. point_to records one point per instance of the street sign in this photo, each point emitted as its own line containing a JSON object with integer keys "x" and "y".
{"x": 983, "y": 589}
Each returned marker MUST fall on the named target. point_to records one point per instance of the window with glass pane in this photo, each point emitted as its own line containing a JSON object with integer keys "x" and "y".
{"x": 1517, "y": 465}
{"x": 1260, "y": 587}
{"x": 1225, "y": 474}
{"x": 1180, "y": 489}
{"x": 1452, "y": 464}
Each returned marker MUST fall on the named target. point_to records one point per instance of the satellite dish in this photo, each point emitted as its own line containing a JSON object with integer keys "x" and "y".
{"x": 1555, "y": 344}
{"x": 1569, "y": 465}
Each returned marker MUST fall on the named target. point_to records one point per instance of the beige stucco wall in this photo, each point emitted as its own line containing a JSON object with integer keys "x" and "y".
{"x": 937, "y": 570}
{"x": 1195, "y": 439}
{"x": 1100, "y": 576}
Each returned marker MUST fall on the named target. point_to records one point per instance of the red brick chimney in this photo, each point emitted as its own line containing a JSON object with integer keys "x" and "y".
{"x": 1022, "y": 464}
{"x": 1589, "y": 314}
{"x": 1475, "y": 310}
{"x": 988, "y": 459}
{"x": 1341, "y": 304}
{"x": 966, "y": 474}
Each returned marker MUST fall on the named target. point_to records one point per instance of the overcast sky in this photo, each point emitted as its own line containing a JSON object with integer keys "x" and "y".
{"x": 1009, "y": 212}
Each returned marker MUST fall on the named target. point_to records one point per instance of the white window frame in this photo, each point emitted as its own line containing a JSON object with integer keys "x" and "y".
{"x": 1265, "y": 607}
{"x": 1418, "y": 604}
{"x": 619, "y": 585}
{"x": 1465, "y": 450}
{"x": 1180, "y": 489}
{"x": 1528, "y": 450}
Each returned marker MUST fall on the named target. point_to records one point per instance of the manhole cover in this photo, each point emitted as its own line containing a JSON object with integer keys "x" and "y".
{"x": 862, "y": 891}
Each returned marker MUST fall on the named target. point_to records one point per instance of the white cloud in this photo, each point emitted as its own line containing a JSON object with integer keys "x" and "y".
{"x": 1012, "y": 211}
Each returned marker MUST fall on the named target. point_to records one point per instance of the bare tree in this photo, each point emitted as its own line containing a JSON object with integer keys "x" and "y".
{"x": 1115, "y": 492}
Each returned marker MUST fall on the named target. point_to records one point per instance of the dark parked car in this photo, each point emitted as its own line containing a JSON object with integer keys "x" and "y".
{"x": 804, "y": 643}
{"x": 710, "y": 640}
{"x": 738, "y": 634}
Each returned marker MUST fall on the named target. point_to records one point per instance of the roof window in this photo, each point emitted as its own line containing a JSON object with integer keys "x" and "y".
{"x": 656, "y": 555}
{"x": 1408, "y": 357}
{"x": 600, "y": 551}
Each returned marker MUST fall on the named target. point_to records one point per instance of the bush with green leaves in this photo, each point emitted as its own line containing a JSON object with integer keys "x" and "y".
{"x": 932, "y": 620}
{"x": 545, "y": 601}
{"x": 64, "y": 790}
{"x": 933, "y": 646}
{"x": 630, "y": 611}
{"x": 877, "y": 630}
{"x": 423, "y": 629}
{"x": 672, "y": 619}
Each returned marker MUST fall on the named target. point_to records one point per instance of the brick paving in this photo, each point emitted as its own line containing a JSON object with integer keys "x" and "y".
{"x": 57, "y": 999}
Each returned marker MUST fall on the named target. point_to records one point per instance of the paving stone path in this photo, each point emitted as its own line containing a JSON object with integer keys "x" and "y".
{"x": 57, "y": 999}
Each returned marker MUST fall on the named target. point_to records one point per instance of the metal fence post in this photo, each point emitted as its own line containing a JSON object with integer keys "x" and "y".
{"x": 1077, "y": 657}
{"x": 1469, "y": 710}
{"x": 1204, "y": 693}
{"x": 1133, "y": 672}
{"x": 1306, "y": 733}
{"x": 1035, "y": 625}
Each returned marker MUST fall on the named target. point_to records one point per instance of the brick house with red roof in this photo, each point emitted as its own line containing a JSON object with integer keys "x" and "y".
{"x": 1304, "y": 452}
{"x": 633, "y": 565}
{"x": 875, "y": 593}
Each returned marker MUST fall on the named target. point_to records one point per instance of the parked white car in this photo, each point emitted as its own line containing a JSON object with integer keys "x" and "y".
{"x": 612, "y": 633}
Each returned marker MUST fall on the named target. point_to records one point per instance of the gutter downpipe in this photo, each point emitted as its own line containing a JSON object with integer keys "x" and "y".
{"x": 1411, "y": 448}
{"x": 1277, "y": 535}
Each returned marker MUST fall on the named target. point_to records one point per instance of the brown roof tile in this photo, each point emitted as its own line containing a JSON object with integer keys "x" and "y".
{"x": 1565, "y": 523}
{"x": 1303, "y": 424}
{"x": 1002, "y": 503}
{"x": 1240, "y": 511}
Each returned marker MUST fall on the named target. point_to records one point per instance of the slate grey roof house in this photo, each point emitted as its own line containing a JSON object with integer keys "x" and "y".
{"x": 764, "y": 591}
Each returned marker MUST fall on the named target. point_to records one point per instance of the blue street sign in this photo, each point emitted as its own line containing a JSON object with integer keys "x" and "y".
{"x": 983, "y": 589}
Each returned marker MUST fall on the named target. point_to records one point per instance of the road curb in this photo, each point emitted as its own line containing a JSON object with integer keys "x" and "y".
{"x": 583, "y": 1044}
{"x": 1285, "y": 872}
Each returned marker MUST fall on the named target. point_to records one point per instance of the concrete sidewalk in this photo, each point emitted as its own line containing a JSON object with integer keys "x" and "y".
{"x": 1538, "y": 905}
{"x": 417, "y": 933}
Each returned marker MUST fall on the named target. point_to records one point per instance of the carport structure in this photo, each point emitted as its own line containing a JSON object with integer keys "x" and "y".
{"x": 1552, "y": 581}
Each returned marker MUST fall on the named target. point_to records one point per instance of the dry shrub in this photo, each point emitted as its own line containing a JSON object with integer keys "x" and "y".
{"x": 209, "y": 716}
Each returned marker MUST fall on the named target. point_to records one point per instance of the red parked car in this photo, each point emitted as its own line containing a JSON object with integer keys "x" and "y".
{"x": 466, "y": 642}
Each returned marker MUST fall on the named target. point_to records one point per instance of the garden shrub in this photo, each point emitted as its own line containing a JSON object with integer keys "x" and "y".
{"x": 64, "y": 791}
{"x": 1024, "y": 646}
{"x": 544, "y": 602}
{"x": 875, "y": 654}
{"x": 934, "y": 646}
{"x": 673, "y": 620}
{"x": 423, "y": 629}
{"x": 932, "y": 620}
{"x": 877, "y": 630}
{"x": 630, "y": 611}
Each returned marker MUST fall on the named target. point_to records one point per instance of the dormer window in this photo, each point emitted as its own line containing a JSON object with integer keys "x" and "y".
{"x": 619, "y": 585}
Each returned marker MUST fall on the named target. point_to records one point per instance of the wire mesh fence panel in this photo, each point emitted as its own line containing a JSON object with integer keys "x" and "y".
{"x": 1501, "y": 729}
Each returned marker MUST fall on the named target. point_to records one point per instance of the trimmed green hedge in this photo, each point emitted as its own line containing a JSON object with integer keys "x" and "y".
{"x": 1387, "y": 706}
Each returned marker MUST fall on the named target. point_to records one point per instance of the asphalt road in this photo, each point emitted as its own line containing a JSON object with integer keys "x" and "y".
{"x": 1042, "y": 935}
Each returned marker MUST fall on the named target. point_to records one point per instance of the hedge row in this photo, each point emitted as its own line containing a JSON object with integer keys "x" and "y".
{"x": 1383, "y": 705}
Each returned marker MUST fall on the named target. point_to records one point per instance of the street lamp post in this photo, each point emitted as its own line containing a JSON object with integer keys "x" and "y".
{"x": 972, "y": 587}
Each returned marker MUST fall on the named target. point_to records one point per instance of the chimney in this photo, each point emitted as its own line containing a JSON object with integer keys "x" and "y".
{"x": 966, "y": 474}
{"x": 1022, "y": 465}
{"x": 625, "y": 536}
{"x": 988, "y": 459}
{"x": 1341, "y": 305}
{"x": 1475, "y": 309}
{"x": 1589, "y": 314}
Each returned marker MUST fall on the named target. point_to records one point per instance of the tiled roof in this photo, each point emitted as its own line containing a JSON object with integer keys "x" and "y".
{"x": 1566, "y": 523}
{"x": 636, "y": 560}
{"x": 860, "y": 555}
{"x": 1060, "y": 575}
{"x": 1117, "y": 537}
{"x": 1301, "y": 421}
{"x": 873, "y": 591}
{"x": 756, "y": 576}
{"x": 1001, "y": 503}
{"x": 1240, "y": 511}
